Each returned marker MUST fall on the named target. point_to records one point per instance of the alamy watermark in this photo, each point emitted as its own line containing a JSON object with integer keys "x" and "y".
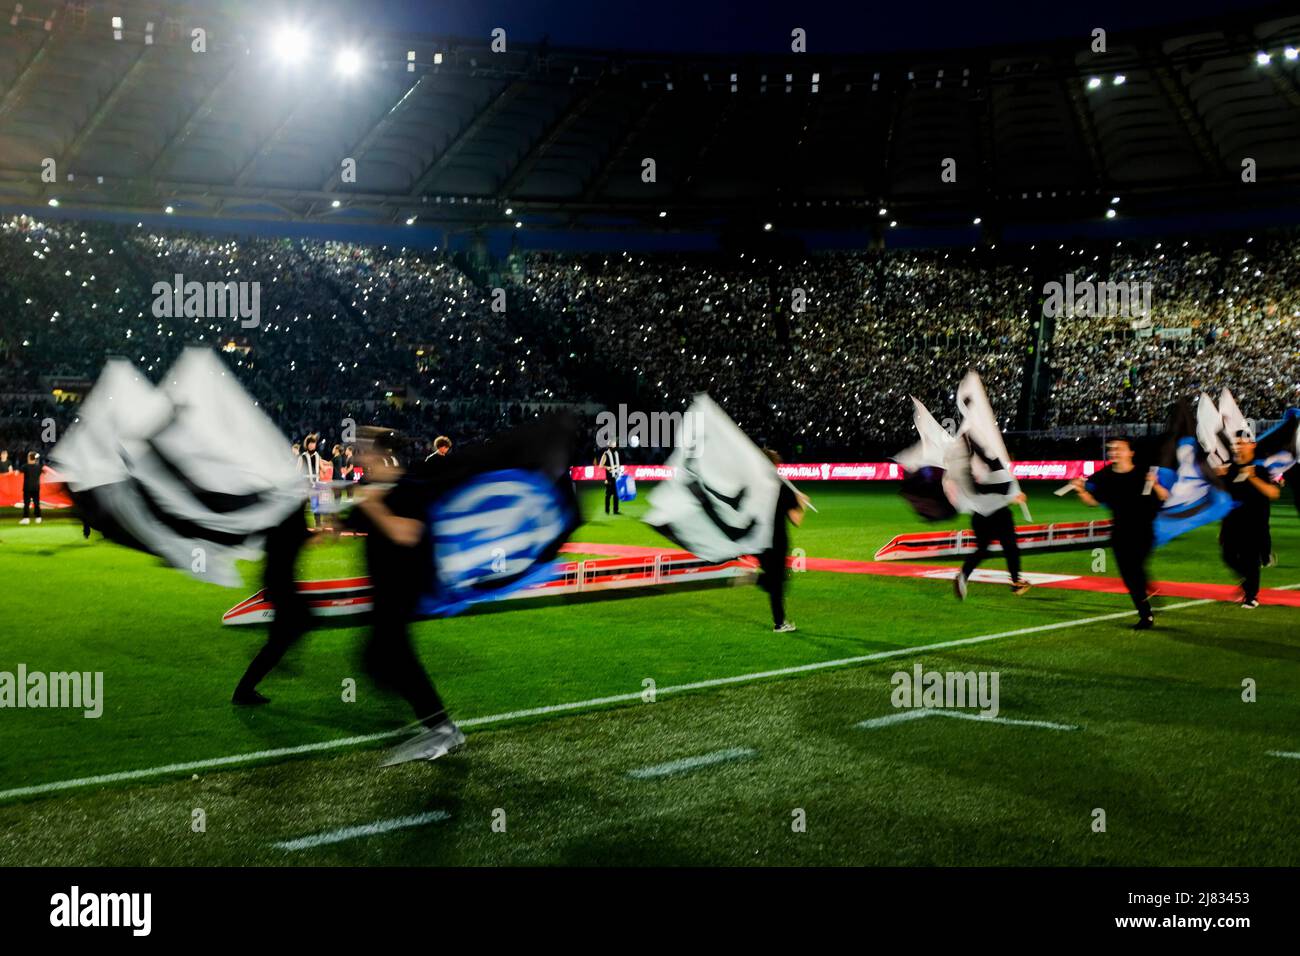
{"x": 952, "y": 690}
{"x": 208, "y": 300}
{"x": 1096, "y": 300}
{"x": 76, "y": 690}
{"x": 645, "y": 430}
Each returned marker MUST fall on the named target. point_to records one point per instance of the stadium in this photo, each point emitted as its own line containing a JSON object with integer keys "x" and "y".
{"x": 260, "y": 268}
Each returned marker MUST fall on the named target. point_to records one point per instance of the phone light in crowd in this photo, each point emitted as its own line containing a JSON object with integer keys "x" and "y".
{"x": 1114, "y": 200}
{"x": 884, "y": 211}
{"x": 510, "y": 210}
{"x": 1094, "y": 82}
{"x": 1110, "y": 213}
{"x": 117, "y": 27}
{"x": 334, "y": 204}
{"x": 54, "y": 203}
{"x": 767, "y": 227}
{"x": 348, "y": 62}
{"x": 1119, "y": 80}
{"x": 290, "y": 44}
{"x": 978, "y": 220}
{"x": 410, "y": 221}
{"x": 1263, "y": 58}
{"x": 893, "y": 223}
{"x": 1290, "y": 53}
{"x": 169, "y": 210}
{"x": 519, "y": 225}
{"x": 663, "y": 214}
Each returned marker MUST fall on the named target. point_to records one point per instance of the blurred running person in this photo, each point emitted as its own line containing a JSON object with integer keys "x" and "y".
{"x": 772, "y": 562}
{"x": 1244, "y": 531}
{"x": 1133, "y": 497}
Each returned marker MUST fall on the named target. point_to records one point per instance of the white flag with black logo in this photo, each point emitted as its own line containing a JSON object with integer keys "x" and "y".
{"x": 721, "y": 502}
{"x": 978, "y": 467}
{"x": 191, "y": 471}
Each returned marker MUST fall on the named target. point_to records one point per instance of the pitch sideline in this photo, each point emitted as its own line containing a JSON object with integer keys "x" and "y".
{"x": 213, "y": 763}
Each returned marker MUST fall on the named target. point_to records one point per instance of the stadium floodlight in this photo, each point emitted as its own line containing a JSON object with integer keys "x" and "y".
{"x": 290, "y": 44}
{"x": 1263, "y": 58}
{"x": 348, "y": 62}
{"x": 1119, "y": 80}
{"x": 54, "y": 203}
{"x": 1094, "y": 82}
{"x": 1291, "y": 53}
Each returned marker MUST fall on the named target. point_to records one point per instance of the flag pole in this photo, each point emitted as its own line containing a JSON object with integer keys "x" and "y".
{"x": 806, "y": 499}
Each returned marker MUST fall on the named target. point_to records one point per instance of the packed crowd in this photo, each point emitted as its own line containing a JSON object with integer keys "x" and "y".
{"x": 817, "y": 355}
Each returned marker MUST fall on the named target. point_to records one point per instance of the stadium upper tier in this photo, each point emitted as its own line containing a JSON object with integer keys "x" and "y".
{"x": 410, "y": 339}
{"x": 262, "y": 124}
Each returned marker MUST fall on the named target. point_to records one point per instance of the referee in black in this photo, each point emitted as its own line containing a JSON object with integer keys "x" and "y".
{"x": 1244, "y": 532}
{"x": 1134, "y": 497}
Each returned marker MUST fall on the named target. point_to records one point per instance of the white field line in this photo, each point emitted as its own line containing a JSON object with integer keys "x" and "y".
{"x": 344, "y": 742}
{"x": 1289, "y": 754}
{"x": 365, "y": 830}
{"x": 692, "y": 763}
{"x": 905, "y": 715}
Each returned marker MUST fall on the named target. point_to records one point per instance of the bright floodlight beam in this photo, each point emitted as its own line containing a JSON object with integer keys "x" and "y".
{"x": 290, "y": 44}
{"x": 348, "y": 62}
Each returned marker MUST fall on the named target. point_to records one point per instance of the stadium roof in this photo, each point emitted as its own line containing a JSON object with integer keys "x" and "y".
{"x": 448, "y": 131}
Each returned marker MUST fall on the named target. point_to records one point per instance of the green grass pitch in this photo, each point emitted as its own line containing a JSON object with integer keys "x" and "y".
{"x": 1164, "y": 744}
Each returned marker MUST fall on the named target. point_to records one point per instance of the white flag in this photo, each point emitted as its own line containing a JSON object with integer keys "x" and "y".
{"x": 1209, "y": 431}
{"x": 192, "y": 472}
{"x": 932, "y": 449}
{"x": 722, "y": 501}
{"x": 977, "y": 463}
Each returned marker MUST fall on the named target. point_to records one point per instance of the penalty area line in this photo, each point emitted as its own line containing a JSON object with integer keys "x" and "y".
{"x": 257, "y": 756}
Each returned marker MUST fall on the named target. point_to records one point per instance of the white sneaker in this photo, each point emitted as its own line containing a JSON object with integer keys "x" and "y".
{"x": 38, "y": 520}
{"x": 26, "y": 521}
{"x": 1250, "y": 605}
{"x": 959, "y": 586}
{"x": 785, "y": 628}
{"x": 429, "y": 744}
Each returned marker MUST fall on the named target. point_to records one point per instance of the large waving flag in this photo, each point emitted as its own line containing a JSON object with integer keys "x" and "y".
{"x": 1195, "y": 496}
{"x": 923, "y": 467}
{"x": 1210, "y": 433}
{"x": 497, "y": 514}
{"x": 977, "y": 463}
{"x": 1278, "y": 449}
{"x": 192, "y": 471}
{"x": 722, "y": 502}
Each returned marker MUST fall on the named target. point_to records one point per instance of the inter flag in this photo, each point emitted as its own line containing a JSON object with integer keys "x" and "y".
{"x": 1195, "y": 496}
{"x": 977, "y": 464}
{"x": 923, "y": 471}
{"x": 191, "y": 471}
{"x": 497, "y": 514}
{"x": 721, "y": 504}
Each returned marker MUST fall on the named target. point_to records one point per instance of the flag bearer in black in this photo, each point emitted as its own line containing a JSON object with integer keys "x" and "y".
{"x": 292, "y": 616}
{"x": 1244, "y": 532}
{"x": 400, "y": 559}
{"x": 32, "y": 487}
{"x": 1134, "y": 497}
{"x": 789, "y": 505}
{"x": 998, "y": 526}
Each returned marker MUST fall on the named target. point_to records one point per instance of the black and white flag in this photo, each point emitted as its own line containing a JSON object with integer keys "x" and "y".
{"x": 721, "y": 503}
{"x": 978, "y": 468}
{"x": 191, "y": 471}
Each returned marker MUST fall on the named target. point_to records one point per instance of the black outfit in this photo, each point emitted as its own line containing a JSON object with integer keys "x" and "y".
{"x": 772, "y": 561}
{"x": 1244, "y": 534}
{"x": 1132, "y": 535}
{"x": 292, "y": 615}
{"x": 998, "y": 526}
{"x": 609, "y": 461}
{"x": 31, "y": 488}
{"x": 398, "y": 576}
